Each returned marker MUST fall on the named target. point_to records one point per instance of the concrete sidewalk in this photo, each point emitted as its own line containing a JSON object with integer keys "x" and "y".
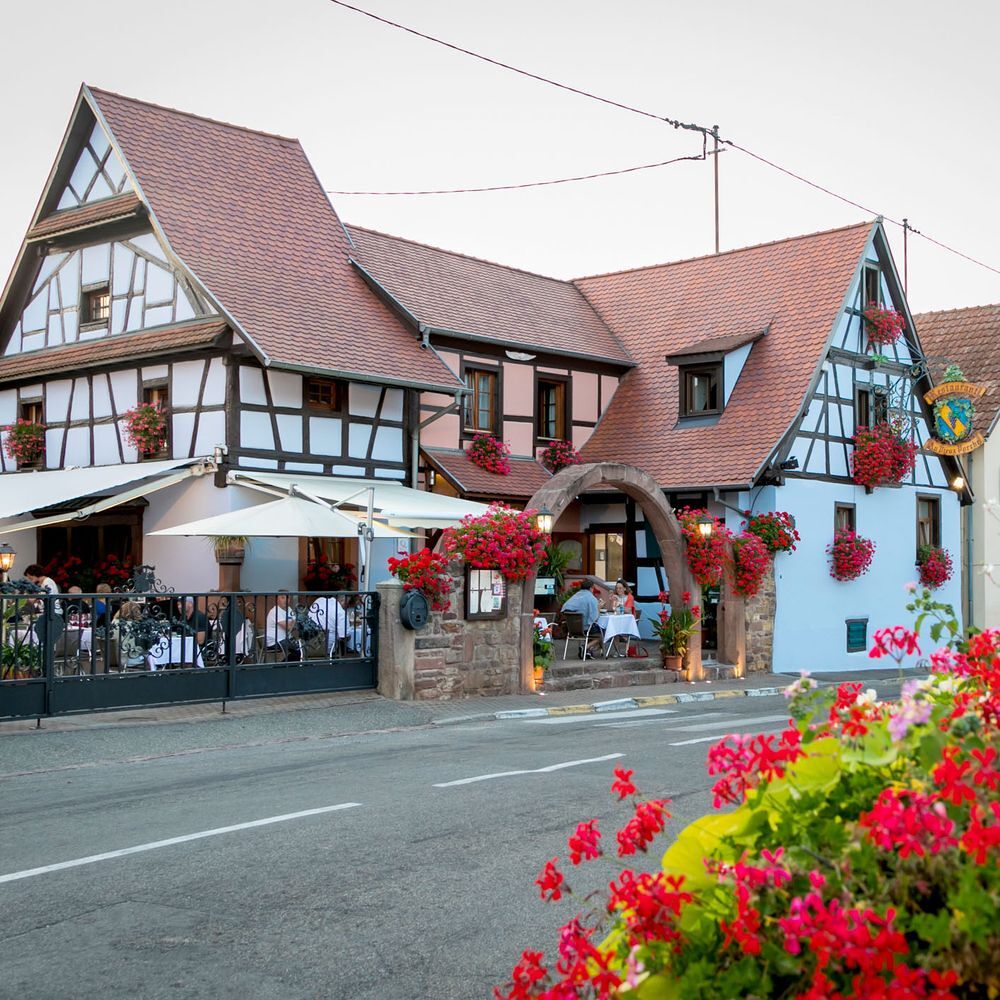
{"x": 406, "y": 714}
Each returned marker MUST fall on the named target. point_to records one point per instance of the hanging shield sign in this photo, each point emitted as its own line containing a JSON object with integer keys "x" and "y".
{"x": 954, "y": 412}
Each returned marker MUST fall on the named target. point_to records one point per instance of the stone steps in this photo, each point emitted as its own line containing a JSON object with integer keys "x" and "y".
{"x": 576, "y": 675}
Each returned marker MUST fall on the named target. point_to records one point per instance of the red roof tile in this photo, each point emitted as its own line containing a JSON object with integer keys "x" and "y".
{"x": 794, "y": 287}
{"x": 246, "y": 213}
{"x": 163, "y": 340}
{"x": 121, "y": 206}
{"x": 526, "y": 475}
{"x": 969, "y": 338}
{"x": 717, "y": 345}
{"x": 473, "y": 297}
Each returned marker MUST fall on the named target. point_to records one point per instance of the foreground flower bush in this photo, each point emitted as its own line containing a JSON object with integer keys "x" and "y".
{"x": 502, "y": 538}
{"x": 858, "y": 857}
{"x": 427, "y": 572}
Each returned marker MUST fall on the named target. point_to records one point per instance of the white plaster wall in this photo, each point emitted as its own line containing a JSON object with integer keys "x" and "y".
{"x": 984, "y": 468}
{"x": 810, "y": 631}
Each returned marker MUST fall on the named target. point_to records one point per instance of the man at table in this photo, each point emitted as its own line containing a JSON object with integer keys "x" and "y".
{"x": 36, "y": 575}
{"x": 195, "y": 621}
{"x": 279, "y": 627}
{"x": 329, "y": 614}
{"x": 585, "y": 603}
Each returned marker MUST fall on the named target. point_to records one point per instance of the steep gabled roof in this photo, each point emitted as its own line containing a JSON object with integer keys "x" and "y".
{"x": 470, "y": 297}
{"x": 969, "y": 338}
{"x": 794, "y": 288}
{"x": 245, "y": 213}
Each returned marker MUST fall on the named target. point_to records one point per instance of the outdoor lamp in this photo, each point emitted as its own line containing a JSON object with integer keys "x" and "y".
{"x": 705, "y": 525}
{"x": 7, "y": 557}
{"x": 544, "y": 521}
{"x": 957, "y": 483}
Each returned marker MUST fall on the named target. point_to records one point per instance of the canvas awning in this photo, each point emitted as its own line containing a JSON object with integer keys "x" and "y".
{"x": 21, "y": 492}
{"x": 291, "y": 517}
{"x": 397, "y": 505}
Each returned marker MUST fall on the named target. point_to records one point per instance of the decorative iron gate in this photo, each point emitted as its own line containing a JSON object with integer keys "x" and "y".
{"x": 96, "y": 652}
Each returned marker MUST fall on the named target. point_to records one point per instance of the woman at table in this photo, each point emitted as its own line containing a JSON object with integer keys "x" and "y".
{"x": 623, "y": 601}
{"x": 133, "y": 656}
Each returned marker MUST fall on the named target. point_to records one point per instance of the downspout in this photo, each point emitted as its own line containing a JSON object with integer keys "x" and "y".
{"x": 969, "y": 588}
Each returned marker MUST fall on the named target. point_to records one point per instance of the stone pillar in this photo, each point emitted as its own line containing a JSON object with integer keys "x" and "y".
{"x": 395, "y": 645}
{"x": 760, "y": 611}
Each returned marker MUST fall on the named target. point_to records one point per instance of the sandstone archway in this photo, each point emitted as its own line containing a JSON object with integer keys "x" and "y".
{"x": 564, "y": 487}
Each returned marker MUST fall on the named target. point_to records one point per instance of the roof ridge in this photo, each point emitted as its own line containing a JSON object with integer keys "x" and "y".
{"x": 459, "y": 253}
{"x": 956, "y": 309}
{"x": 724, "y": 253}
{"x": 97, "y": 91}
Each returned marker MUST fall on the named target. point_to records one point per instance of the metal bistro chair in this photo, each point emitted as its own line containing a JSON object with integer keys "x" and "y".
{"x": 67, "y": 653}
{"x": 572, "y": 624}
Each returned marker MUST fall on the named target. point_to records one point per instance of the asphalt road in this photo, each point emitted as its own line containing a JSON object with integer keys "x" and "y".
{"x": 419, "y": 885}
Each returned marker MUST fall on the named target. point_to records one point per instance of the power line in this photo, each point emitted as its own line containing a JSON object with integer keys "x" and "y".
{"x": 677, "y": 124}
{"x": 532, "y": 184}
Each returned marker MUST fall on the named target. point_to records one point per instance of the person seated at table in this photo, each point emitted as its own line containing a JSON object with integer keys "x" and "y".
{"x": 623, "y": 603}
{"x": 133, "y": 656}
{"x": 233, "y": 622}
{"x": 279, "y": 628}
{"x": 329, "y": 614}
{"x": 76, "y": 607}
{"x": 586, "y": 603}
{"x": 195, "y": 621}
{"x": 45, "y": 631}
{"x": 101, "y": 605}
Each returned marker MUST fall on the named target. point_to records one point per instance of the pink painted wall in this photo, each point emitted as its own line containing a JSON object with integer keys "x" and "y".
{"x": 584, "y": 396}
{"x": 608, "y": 385}
{"x": 518, "y": 391}
{"x": 520, "y": 437}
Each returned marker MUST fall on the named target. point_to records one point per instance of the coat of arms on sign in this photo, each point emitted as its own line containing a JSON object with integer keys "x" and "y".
{"x": 954, "y": 413}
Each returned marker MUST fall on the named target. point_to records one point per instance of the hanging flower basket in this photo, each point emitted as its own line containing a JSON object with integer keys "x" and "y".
{"x": 883, "y": 326}
{"x": 850, "y": 555}
{"x": 559, "y": 455}
{"x": 146, "y": 428}
{"x": 935, "y": 566}
{"x": 706, "y": 554}
{"x": 25, "y": 441}
{"x": 882, "y": 456}
{"x": 751, "y": 559}
{"x": 775, "y": 529}
{"x": 489, "y": 453}
{"x": 504, "y": 539}
{"x": 425, "y": 571}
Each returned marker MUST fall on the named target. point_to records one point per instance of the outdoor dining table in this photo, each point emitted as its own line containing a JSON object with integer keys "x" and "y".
{"x": 179, "y": 650}
{"x": 615, "y": 626}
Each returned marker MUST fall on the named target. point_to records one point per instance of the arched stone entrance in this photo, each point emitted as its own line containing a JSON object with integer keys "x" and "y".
{"x": 564, "y": 487}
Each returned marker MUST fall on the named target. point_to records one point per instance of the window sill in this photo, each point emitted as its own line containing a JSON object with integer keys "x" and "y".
{"x": 93, "y": 327}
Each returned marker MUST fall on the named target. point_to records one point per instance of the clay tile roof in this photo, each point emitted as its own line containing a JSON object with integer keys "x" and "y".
{"x": 794, "y": 287}
{"x": 162, "y": 340}
{"x": 969, "y": 338}
{"x": 246, "y": 213}
{"x": 526, "y": 475}
{"x": 121, "y": 206}
{"x": 477, "y": 298}
{"x": 717, "y": 345}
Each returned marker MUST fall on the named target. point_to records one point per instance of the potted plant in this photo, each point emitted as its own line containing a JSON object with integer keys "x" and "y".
{"x": 674, "y": 628}
{"x": 230, "y": 549}
{"x": 489, "y": 453}
{"x": 146, "y": 428}
{"x": 884, "y": 326}
{"x": 935, "y": 566}
{"x": 553, "y": 565}
{"x": 541, "y": 646}
{"x": 559, "y": 455}
{"x": 25, "y": 441}
{"x": 850, "y": 555}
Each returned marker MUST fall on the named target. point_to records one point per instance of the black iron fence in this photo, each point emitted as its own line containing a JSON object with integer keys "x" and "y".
{"x": 91, "y": 652}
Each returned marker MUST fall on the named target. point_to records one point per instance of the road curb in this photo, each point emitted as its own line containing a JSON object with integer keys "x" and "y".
{"x": 617, "y": 704}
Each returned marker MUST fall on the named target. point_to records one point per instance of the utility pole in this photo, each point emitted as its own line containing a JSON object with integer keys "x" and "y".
{"x": 906, "y": 229}
{"x": 715, "y": 156}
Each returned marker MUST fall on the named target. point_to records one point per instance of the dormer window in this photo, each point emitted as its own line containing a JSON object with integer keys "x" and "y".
{"x": 701, "y": 390}
{"x": 95, "y": 305}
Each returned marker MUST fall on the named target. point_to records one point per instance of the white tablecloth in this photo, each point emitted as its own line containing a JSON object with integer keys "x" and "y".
{"x": 179, "y": 651}
{"x": 21, "y": 635}
{"x": 86, "y": 637}
{"x": 616, "y": 625}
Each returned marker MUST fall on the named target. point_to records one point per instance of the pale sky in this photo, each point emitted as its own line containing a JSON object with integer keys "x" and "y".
{"x": 890, "y": 103}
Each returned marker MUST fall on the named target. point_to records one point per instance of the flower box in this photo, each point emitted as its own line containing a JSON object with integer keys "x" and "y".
{"x": 25, "y": 441}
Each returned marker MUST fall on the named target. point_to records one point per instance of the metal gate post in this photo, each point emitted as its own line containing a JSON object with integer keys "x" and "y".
{"x": 48, "y": 650}
{"x": 231, "y": 647}
{"x": 375, "y": 599}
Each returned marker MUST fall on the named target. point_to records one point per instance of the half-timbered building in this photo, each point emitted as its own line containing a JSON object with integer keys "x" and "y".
{"x": 198, "y": 266}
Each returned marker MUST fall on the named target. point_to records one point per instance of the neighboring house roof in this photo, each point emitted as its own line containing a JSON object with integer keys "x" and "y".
{"x": 150, "y": 343}
{"x": 794, "y": 288}
{"x": 247, "y": 215}
{"x": 525, "y": 476}
{"x": 469, "y": 297}
{"x": 969, "y": 338}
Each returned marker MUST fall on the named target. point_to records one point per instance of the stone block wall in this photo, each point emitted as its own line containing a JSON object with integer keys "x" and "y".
{"x": 760, "y": 611}
{"x": 451, "y": 657}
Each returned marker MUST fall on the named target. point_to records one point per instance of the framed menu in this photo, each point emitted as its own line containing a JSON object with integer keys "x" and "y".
{"x": 485, "y": 594}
